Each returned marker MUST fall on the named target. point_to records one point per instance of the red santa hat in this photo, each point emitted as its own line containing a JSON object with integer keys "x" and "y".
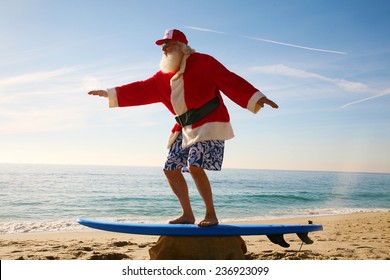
{"x": 172, "y": 34}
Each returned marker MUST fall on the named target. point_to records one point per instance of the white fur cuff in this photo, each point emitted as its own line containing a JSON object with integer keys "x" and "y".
{"x": 252, "y": 103}
{"x": 112, "y": 98}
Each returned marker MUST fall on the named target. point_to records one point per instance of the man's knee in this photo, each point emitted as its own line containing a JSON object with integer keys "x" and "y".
{"x": 195, "y": 170}
{"x": 171, "y": 174}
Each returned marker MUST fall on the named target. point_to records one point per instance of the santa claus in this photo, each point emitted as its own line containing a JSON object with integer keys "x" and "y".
{"x": 189, "y": 84}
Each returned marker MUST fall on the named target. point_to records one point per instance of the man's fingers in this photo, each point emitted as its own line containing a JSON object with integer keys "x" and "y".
{"x": 271, "y": 103}
{"x": 102, "y": 93}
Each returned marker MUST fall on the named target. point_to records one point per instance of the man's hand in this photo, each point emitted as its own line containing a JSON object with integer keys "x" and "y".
{"x": 102, "y": 93}
{"x": 265, "y": 100}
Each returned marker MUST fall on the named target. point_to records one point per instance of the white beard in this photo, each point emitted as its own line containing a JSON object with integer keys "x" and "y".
{"x": 171, "y": 62}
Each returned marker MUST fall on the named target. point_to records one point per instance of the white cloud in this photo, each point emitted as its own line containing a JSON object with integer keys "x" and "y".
{"x": 57, "y": 100}
{"x": 346, "y": 85}
{"x": 280, "y": 69}
{"x": 37, "y": 76}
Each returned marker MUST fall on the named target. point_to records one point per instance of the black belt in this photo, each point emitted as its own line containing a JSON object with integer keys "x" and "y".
{"x": 194, "y": 115}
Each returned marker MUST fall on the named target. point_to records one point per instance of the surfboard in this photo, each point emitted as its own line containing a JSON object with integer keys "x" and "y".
{"x": 274, "y": 232}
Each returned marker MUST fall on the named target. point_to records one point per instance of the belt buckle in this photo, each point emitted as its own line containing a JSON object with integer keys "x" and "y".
{"x": 179, "y": 121}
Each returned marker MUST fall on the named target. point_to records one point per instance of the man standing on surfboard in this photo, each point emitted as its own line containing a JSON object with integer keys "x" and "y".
{"x": 189, "y": 85}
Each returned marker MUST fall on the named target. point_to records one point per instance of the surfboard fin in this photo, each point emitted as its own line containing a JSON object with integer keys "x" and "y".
{"x": 278, "y": 239}
{"x": 305, "y": 238}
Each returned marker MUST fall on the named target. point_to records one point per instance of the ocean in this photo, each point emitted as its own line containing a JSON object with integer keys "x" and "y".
{"x": 41, "y": 198}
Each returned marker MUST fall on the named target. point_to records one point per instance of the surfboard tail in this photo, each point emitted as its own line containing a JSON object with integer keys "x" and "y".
{"x": 279, "y": 239}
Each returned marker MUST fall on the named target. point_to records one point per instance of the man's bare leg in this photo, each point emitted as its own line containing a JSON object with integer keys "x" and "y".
{"x": 203, "y": 184}
{"x": 179, "y": 187}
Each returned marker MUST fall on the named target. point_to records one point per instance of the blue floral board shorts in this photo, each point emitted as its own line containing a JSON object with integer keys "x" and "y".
{"x": 205, "y": 154}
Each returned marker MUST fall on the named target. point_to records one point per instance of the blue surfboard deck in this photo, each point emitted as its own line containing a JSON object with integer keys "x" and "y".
{"x": 194, "y": 230}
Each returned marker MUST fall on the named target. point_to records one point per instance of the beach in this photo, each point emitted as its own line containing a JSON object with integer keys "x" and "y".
{"x": 358, "y": 236}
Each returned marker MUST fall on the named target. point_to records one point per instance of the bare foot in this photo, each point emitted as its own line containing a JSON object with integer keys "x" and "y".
{"x": 208, "y": 222}
{"x": 183, "y": 220}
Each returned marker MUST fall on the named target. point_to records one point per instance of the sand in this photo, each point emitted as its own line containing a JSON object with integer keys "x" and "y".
{"x": 361, "y": 236}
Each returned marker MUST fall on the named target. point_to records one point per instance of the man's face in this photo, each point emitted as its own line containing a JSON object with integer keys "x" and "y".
{"x": 172, "y": 57}
{"x": 169, "y": 46}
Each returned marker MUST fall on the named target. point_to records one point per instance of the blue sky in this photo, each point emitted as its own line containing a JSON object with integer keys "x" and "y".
{"x": 326, "y": 63}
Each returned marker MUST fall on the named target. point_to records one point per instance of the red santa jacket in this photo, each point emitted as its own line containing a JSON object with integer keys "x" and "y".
{"x": 199, "y": 79}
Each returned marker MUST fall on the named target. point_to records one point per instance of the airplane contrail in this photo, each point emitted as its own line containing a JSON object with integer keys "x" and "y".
{"x": 265, "y": 40}
{"x": 365, "y": 99}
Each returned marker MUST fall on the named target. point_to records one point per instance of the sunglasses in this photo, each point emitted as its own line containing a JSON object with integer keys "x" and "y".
{"x": 167, "y": 45}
